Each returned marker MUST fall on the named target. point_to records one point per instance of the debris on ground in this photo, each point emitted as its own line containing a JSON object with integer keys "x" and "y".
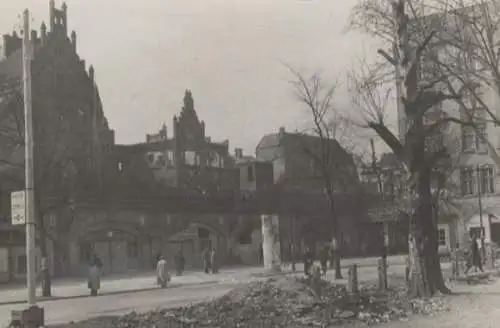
{"x": 282, "y": 302}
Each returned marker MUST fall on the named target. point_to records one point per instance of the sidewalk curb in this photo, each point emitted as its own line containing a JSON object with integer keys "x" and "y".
{"x": 118, "y": 292}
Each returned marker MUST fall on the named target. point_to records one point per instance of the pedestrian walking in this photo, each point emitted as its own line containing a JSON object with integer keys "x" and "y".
{"x": 94, "y": 278}
{"x": 179, "y": 262}
{"x": 213, "y": 261}
{"x": 323, "y": 258}
{"x": 261, "y": 255}
{"x": 206, "y": 257}
{"x": 162, "y": 275}
{"x": 474, "y": 256}
{"x": 308, "y": 260}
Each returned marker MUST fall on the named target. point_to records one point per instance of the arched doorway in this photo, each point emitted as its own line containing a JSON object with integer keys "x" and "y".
{"x": 116, "y": 243}
{"x": 193, "y": 240}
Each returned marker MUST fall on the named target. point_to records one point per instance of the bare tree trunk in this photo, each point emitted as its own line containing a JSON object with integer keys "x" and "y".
{"x": 335, "y": 254}
{"x": 425, "y": 275}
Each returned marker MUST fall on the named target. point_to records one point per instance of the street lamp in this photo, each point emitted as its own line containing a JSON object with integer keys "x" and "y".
{"x": 110, "y": 250}
{"x": 33, "y": 314}
{"x": 480, "y": 204}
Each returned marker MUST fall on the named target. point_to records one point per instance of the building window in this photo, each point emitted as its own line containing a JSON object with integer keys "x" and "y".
{"x": 190, "y": 157}
{"x": 468, "y": 138}
{"x": 467, "y": 181}
{"x": 161, "y": 159}
{"x": 487, "y": 180}
{"x": 215, "y": 159}
{"x": 21, "y": 264}
{"x": 442, "y": 237}
{"x": 250, "y": 174}
{"x": 314, "y": 168}
{"x": 170, "y": 158}
{"x": 151, "y": 158}
{"x": 85, "y": 252}
{"x": 132, "y": 249}
{"x": 481, "y": 137}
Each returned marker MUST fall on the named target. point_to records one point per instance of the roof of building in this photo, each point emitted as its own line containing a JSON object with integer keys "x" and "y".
{"x": 274, "y": 140}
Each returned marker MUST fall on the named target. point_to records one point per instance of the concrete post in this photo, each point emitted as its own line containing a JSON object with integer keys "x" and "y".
{"x": 271, "y": 242}
{"x": 352, "y": 282}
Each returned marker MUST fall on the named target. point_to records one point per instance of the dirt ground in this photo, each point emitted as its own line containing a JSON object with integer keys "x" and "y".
{"x": 472, "y": 306}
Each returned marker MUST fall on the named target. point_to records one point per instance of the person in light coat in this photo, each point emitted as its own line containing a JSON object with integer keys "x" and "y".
{"x": 162, "y": 275}
{"x": 94, "y": 279}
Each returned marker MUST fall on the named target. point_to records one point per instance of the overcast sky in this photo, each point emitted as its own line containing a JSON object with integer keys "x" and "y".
{"x": 228, "y": 52}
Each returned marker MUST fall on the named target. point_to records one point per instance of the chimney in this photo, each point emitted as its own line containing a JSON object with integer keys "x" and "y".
{"x": 52, "y": 14}
{"x": 163, "y": 131}
{"x": 91, "y": 72}
{"x": 238, "y": 153}
{"x": 73, "y": 40}
{"x": 175, "y": 123}
{"x": 64, "y": 18}
{"x": 282, "y": 131}
{"x": 43, "y": 32}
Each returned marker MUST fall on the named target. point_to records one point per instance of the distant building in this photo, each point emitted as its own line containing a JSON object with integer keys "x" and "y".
{"x": 299, "y": 161}
{"x": 189, "y": 159}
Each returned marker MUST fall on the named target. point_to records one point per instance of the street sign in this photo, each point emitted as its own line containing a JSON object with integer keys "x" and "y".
{"x": 18, "y": 207}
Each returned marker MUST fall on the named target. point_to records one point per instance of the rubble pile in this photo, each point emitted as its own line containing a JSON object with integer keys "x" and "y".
{"x": 283, "y": 302}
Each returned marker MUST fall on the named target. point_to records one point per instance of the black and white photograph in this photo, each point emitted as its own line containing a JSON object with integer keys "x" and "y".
{"x": 249, "y": 163}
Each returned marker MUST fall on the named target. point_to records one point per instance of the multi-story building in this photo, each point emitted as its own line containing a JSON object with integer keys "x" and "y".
{"x": 472, "y": 179}
{"x": 72, "y": 135}
{"x": 298, "y": 162}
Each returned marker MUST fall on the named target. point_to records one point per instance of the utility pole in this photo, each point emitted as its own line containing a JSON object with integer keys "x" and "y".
{"x": 29, "y": 175}
{"x": 33, "y": 316}
{"x": 480, "y": 204}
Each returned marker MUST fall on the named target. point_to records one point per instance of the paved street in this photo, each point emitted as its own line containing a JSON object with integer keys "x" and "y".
{"x": 195, "y": 286}
{"x": 78, "y": 288}
{"x": 63, "y": 311}
{"x": 71, "y": 288}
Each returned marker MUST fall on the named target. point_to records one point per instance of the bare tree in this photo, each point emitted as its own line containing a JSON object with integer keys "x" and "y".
{"x": 335, "y": 166}
{"x": 60, "y": 165}
{"x": 418, "y": 98}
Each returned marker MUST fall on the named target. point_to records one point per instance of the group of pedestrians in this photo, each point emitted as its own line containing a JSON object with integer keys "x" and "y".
{"x": 210, "y": 262}
{"x": 324, "y": 255}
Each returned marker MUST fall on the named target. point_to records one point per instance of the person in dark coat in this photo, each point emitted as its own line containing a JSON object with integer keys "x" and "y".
{"x": 308, "y": 260}
{"x": 323, "y": 257}
{"x": 180, "y": 262}
{"x": 213, "y": 261}
{"x": 206, "y": 256}
{"x": 474, "y": 256}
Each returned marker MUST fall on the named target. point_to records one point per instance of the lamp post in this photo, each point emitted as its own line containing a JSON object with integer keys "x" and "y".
{"x": 480, "y": 204}
{"x": 110, "y": 250}
{"x": 33, "y": 315}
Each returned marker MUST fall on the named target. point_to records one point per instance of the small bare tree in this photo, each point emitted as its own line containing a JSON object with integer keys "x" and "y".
{"x": 335, "y": 165}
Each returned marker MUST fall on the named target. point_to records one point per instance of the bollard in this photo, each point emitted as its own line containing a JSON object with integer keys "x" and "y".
{"x": 352, "y": 283}
{"x": 455, "y": 266}
{"x": 382, "y": 275}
